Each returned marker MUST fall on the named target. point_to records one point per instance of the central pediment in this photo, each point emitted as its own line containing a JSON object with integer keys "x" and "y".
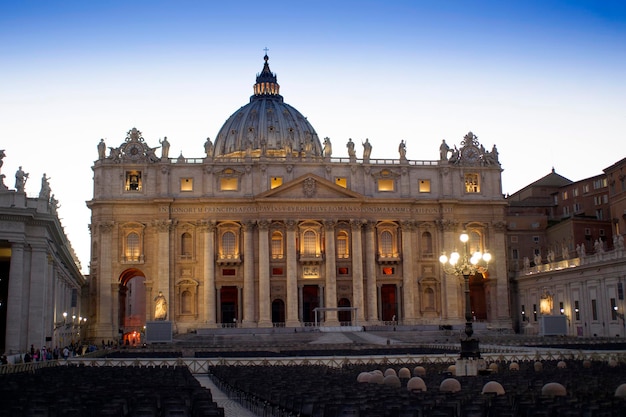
{"x": 309, "y": 186}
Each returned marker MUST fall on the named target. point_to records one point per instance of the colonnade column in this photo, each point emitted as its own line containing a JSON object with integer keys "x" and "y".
{"x": 357, "y": 270}
{"x": 331, "y": 273}
{"x": 292, "y": 275}
{"x": 409, "y": 280}
{"x": 248, "y": 275}
{"x": 208, "y": 229}
{"x": 500, "y": 310}
{"x": 15, "y": 337}
{"x": 265, "y": 301}
{"x": 452, "y": 303}
{"x": 104, "y": 327}
{"x": 370, "y": 273}
{"x": 163, "y": 264}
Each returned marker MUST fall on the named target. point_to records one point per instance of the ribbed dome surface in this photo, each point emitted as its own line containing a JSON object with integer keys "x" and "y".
{"x": 267, "y": 126}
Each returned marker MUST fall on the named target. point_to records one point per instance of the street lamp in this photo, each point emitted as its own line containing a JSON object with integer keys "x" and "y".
{"x": 465, "y": 264}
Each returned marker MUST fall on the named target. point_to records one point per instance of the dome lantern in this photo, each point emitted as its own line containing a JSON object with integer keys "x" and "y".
{"x": 266, "y": 84}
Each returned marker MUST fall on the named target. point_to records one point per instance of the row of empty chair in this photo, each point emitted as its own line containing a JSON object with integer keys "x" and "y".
{"x": 317, "y": 391}
{"x": 84, "y": 391}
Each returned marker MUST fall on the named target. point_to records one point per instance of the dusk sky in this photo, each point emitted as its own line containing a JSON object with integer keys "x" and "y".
{"x": 542, "y": 80}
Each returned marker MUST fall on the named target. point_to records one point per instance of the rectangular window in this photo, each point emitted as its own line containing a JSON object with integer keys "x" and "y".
{"x": 575, "y": 192}
{"x": 613, "y": 309}
{"x": 471, "y": 183}
{"x": 277, "y": 246}
{"x": 228, "y": 272}
{"x": 594, "y": 309}
{"x": 385, "y": 184}
{"x": 535, "y": 312}
{"x": 536, "y": 239}
{"x": 133, "y": 181}
{"x": 577, "y": 207}
{"x": 424, "y": 186}
{"x": 561, "y": 308}
{"x": 186, "y": 184}
{"x": 586, "y": 188}
{"x": 564, "y": 195}
{"x": 276, "y": 182}
{"x": 277, "y": 271}
{"x": 341, "y": 181}
{"x": 388, "y": 270}
{"x": 576, "y": 310}
{"x": 342, "y": 246}
{"x": 229, "y": 184}
{"x": 515, "y": 254}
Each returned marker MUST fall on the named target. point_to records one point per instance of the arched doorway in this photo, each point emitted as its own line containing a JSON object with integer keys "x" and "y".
{"x": 345, "y": 317}
{"x": 478, "y": 299}
{"x": 389, "y": 302}
{"x": 310, "y": 301}
{"x": 278, "y": 311}
{"x": 132, "y": 305}
{"x": 229, "y": 305}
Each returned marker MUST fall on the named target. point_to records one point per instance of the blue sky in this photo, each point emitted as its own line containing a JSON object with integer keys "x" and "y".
{"x": 543, "y": 80}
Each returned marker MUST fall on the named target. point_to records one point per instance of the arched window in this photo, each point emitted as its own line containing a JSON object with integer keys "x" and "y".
{"x": 475, "y": 242}
{"x": 228, "y": 244}
{"x": 386, "y": 244}
{"x": 427, "y": 244}
{"x": 429, "y": 299}
{"x": 343, "y": 247}
{"x": 277, "y": 245}
{"x": 132, "y": 247}
{"x": 310, "y": 243}
{"x": 185, "y": 301}
{"x": 186, "y": 245}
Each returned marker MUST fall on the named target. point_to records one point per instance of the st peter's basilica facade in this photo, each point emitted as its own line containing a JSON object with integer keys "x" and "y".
{"x": 268, "y": 228}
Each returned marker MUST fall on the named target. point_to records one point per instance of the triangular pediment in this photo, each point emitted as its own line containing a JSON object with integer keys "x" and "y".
{"x": 309, "y": 186}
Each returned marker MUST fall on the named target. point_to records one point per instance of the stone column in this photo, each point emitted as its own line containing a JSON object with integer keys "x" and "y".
{"x": 379, "y": 298}
{"x": 452, "y": 304}
{"x": 37, "y": 296}
{"x": 105, "y": 327}
{"x": 500, "y": 310}
{"x": 248, "y": 275}
{"x": 218, "y": 302}
{"x": 409, "y": 280}
{"x": 357, "y": 270}
{"x": 292, "y": 276}
{"x": 239, "y": 304}
{"x": 373, "y": 315}
{"x": 163, "y": 264}
{"x": 331, "y": 273}
{"x": 16, "y": 340}
{"x": 208, "y": 229}
{"x": 265, "y": 301}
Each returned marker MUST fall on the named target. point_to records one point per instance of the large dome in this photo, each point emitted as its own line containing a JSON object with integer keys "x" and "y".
{"x": 267, "y": 126}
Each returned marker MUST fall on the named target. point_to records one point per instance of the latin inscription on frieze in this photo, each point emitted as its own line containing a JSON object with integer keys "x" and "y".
{"x": 305, "y": 209}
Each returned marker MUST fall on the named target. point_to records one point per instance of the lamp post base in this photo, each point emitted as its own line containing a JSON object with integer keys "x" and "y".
{"x": 470, "y": 349}
{"x": 469, "y": 367}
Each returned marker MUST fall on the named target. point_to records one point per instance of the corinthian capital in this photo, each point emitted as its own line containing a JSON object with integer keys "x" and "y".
{"x": 162, "y": 225}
